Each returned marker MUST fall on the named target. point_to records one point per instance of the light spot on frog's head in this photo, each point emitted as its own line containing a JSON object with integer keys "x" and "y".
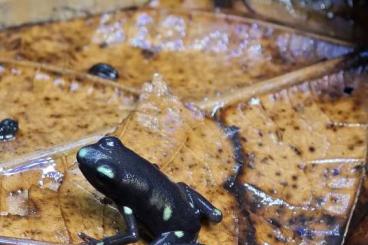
{"x": 106, "y": 170}
{"x": 167, "y": 213}
{"x": 110, "y": 143}
{"x": 128, "y": 211}
{"x": 179, "y": 234}
{"x": 83, "y": 153}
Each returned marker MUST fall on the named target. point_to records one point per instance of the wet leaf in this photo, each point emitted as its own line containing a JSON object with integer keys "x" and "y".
{"x": 52, "y": 191}
{"x": 359, "y": 235}
{"x": 304, "y": 145}
{"x": 187, "y": 147}
{"x": 306, "y": 148}
{"x": 200, "y": 54}
{"x": 342, "y": 19}
{"x": 12, "y": 13}
{"x": 54, "y": 108}
{"x": 357, "y": 231}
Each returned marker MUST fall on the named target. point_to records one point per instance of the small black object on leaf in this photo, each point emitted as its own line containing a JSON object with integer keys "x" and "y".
{"x": 348, "y": 90}
{"x": 223, "y": 3}
{"x": 148, "y": 54}
{"x": 8, "y": 129}
{"x": 105, "y": 71}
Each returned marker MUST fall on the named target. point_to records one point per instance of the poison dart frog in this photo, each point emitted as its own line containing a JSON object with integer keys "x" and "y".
{"x": 169, "y": 212}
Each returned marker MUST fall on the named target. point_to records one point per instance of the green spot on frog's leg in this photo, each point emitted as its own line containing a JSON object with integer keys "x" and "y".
{"x": 218, "y": 212}
{"x": 167, "y": 213}
{"x": 106, "y": 170}
{"x": 128, "y": 211}
{"x": 100, "y": 243}
{"x": 179, "y": 234}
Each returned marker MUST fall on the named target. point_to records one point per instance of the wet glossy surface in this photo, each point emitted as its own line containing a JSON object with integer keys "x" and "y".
{"x": 187, "y": 147}
{"x": 305, "y": 150}
{"x": 53, "y": 109}
{"x": 51, "y": 191}
{"x": 341, "y": 19}
{"x": 302, "y": 170}
{"x": 319, "y": 126}
{"x": 8, "y": 129}
{"x": 129, "y": 181}
{"x": 105, "y": 71}
{"x": 360, "y": 235}
{"x": 200, "y": 54}
{"x": 344, "y": 20}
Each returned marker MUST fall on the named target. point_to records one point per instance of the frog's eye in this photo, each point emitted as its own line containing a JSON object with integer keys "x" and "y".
{"x": 110, "y": 142}
{"x": 106, "y": 171}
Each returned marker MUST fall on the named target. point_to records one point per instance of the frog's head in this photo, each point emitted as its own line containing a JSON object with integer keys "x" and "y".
{"x": 99, "y": 162}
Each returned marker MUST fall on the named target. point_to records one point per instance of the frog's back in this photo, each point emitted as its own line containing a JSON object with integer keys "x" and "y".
{"x": 157, "y": 202}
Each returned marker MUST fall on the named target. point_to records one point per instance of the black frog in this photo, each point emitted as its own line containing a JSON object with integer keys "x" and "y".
{"x": 169, "y": 212}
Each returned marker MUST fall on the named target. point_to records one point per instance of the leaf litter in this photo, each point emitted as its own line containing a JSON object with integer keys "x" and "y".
{"x": 306, "y": 149}
{"x": 54, "y": 108}
{"x": 200, "y": 54}
{"x": 188, "y": 147}
{"x": 195, "y": 147}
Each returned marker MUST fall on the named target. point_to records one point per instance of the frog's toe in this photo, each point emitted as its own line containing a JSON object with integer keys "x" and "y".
{"x": 87, "y": 239}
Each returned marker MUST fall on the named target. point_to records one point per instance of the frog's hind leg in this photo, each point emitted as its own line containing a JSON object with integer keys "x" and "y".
{"x": 175, "y": 238}
{"x": 205, "y": 208}
{"x": 130, "y": 237}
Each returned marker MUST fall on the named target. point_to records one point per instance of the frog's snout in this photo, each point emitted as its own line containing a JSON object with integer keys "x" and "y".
{"x": 83, "y": 155}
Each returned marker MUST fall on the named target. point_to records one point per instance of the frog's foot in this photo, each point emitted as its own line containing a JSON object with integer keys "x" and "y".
{"x": 205, "y": 208}
{"x": 89, "y": 240}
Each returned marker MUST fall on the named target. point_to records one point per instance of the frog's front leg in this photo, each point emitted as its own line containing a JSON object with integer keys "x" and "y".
{"x": 205, "y": 208}
{"x": 130, "y": 237}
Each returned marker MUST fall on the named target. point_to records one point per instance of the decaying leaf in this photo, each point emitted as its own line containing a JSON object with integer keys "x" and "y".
{"x": 359, "y": 235}
{"x": 201, "y": 54}
{"x": 303, "y": 168}
{"x": 185, "y": 145}
{"x": 305, "y": 148}
{"x": 12, "y": 13}
{"x": 342, "y": 19}
{"x": 52, "y": 191}
{"x": 54, "y": 108}
{"x": 184, "y": 4}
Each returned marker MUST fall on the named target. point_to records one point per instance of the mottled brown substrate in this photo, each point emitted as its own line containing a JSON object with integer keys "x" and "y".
{"x": 200, "y": 54}
{"x": 53, "y": 108}
{"x": 34, "y": 206}
{"x": 185, "y": 145}
{"x": 305, "y": 151}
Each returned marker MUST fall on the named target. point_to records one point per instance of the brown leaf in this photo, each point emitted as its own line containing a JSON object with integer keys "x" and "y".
{"x": 359, "y": 235}
{"x": 344, "y": 20}
{"x": 12, "y": 12}
{"x": 32, "y": 197}
{"x": 187, "y": 147}
{"x": 306, "y": 149}
{"x": 200, "y": 54}
{"x": 53, "y": 109}
{"x": 304, "y": 145}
